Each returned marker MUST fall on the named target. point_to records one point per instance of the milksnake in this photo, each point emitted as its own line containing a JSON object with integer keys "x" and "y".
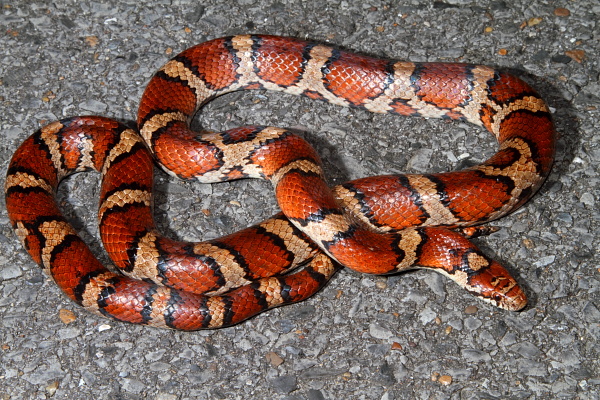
{"x": 376, "y": 225}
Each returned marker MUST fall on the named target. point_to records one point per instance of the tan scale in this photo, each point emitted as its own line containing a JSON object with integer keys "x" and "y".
{"x": 237, "y": 154}
{"x": 25, "y": 181}
{"x": 247, "y": 76}
{"x": 427, "y": 189}
{"x": 327, "y": 229}
{"x": 301, "y": 249}
{"x": 87, "y": 158}
{"x": 409, "y": 242}
{"x": 22, "y": 233}
{"x": 127, "y": 140}
{"x": 233, "y": 273}
{"x": 398, "y": 89}
{"x": 271, "y": 290}
{"x": 123, "y": 197}
{"x": 146, "y": 258}
{"x": 93, "y": 289}
{"x": 160, "y": 121}
{"x": 160, "y": 301}
{"x": 54, "y": 234}
{"x": 476, "y": 262}
{"x": 306, "y": 166}
{"x": 243, "y": 46}
{"x": 176, "y": 69}
{"x": 528, "y": 103}
{"x": 478, "y": 93}
{"x": 216, "y": 308}
{"x": 49, "y": 137}
{"x": 348, "y": 201}
{"x": 500, "y": 282}
{"x": 523, "y": 174}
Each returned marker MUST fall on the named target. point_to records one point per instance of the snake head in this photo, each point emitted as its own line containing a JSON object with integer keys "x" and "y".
{"x": 496, "y": 285}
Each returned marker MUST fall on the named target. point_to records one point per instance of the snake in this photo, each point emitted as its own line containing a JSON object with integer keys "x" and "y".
{"x": 375, "y": 225}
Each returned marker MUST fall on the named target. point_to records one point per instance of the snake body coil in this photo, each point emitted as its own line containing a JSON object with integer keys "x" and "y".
{"x": 376, "y": 225}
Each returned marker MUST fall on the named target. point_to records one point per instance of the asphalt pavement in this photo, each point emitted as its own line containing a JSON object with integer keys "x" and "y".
{"x": 413, "y": 335}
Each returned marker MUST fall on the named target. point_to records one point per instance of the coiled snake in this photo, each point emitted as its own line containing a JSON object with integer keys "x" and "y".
{"x": 376, "y": 225}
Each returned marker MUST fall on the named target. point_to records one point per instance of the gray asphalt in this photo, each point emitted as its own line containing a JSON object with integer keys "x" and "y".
{"x": 410, "y": 336}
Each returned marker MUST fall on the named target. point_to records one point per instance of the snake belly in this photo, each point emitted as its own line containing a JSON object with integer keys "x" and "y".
{"x": 376, "y": 225}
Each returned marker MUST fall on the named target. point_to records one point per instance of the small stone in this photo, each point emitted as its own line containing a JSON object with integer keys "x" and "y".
{"x": 427, "y": 315}
{"x": 445, "y": 380}
{"x": 93, "y": 106}
{"x": 378, "y": 350}
{"x": 576, "y": 55}
{"x": 274, "y": 359}
{"x": 194, "y": 15}
{"x": 66, "y": 316}
{"x": 133, "y": 385}
{"x": 534, "y": 21}
{"x": 527, "y": 350}
{"x": 104, "y": 327}
{"x": 591, "y": 313}
{"x": 285, "y": 384}
{"x": 367, "y": 282}
{"x": 544, "y": 261}
{"x": 474, "y": 355}
{"x": 379, "y": 332}
{"x": 92, "y": 41}
{"x": 10, "y": 271}
{"x": 420, "y": 160}
{"x": 566, "y": 218}
{"x": 541, "y": 55}
{"x": 45, "y": 373}
{"x": 68, "y": 333}
{"x": 51, "y": 388}
{"x": 472, "y": 323}
{"x": 11, "y": 134}
{"x": 159, "y": 366}
{"x": 396, "y": 346}
{"x": 561, "y": 59}
{"x": 166, "y": 396}
{"x": 314, "y": 394}
{"x": 562, "y": 12}
{"x": 503, "y": 52}
{"x": 381, "y": 284}
{"x": 528, "y": 243}
{"x": 154, "y": 356}
{"x": 531, "y": 368}
{"x": 321, "y": 372}
{"x": 471, "y": 310}
{"x": 48, "y": 96}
